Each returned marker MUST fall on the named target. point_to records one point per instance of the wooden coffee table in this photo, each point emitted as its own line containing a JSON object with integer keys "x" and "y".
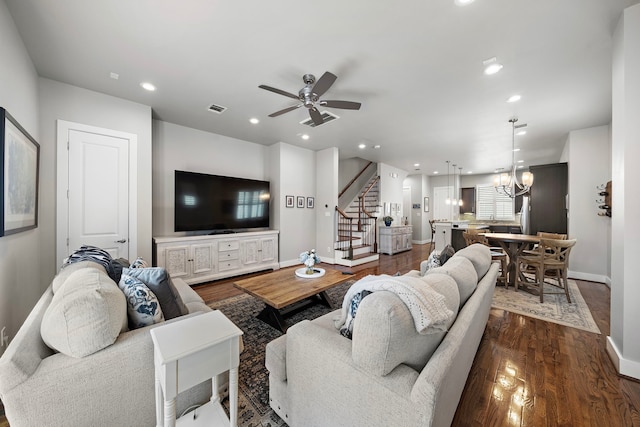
{"x": 285, "y": 293}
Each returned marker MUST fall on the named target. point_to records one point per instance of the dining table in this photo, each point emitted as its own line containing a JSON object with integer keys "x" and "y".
{"x": 513, "y": 245}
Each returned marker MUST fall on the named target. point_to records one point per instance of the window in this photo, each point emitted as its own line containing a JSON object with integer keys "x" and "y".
{"x": 493, "y": 205}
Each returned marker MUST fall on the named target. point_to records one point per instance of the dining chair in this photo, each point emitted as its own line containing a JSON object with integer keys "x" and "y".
{"x": 550, "y": 261}
{"x": 432, "y": 224}
{"x": 544, "y": 235}
{"x": 497, "y": 254}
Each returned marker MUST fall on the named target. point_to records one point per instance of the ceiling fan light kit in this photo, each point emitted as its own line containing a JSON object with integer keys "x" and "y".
{"x": 309, "y": 97}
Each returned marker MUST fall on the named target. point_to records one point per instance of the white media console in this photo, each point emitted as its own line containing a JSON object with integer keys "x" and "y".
{"x": 198, "y": 259}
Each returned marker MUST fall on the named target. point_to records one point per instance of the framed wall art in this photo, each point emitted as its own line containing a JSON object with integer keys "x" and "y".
{"x": 300, "y": 201}
{"x": 19, "y": 159}
{"x": 310, "y": 202}
{"x": 288, "y": 201}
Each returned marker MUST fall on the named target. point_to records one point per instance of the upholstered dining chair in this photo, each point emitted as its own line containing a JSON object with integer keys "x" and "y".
{"x": 497, "y": 254}
{"x": 551, "y": 261}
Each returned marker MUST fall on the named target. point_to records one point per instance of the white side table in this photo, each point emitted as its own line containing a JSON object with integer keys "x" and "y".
{"x": 189, "y": 351}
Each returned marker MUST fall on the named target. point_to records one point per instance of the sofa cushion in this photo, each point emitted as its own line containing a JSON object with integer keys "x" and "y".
{"x": 68, "y": 269}
{"x": 384, "y": 333}
{"x": 157, "y": 279}
{"x": 86, "y": 314}
{"x": 464, "y": 274}
{"x": 480, "y": 257}
{"x": 143, "y": 307}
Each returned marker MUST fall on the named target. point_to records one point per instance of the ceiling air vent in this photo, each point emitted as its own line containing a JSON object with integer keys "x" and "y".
{"x": 217, "y": 108}
{"x": 326, "y": 118}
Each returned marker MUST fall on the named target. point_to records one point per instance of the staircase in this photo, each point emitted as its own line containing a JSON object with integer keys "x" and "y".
{"x": 356, "y": 239}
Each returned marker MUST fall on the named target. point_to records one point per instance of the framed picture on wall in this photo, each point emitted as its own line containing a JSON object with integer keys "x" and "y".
{"x": 288, "y": 201}
{"x": 310, "y": 202}
{"x": 20, "y": 157}
{"x": 300, "y": 201}
{"x": 426, "y": 204}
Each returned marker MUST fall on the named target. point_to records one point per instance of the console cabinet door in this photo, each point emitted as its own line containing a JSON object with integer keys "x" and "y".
{"x": 251, "y": 252}
{"x": 269, "y": 247}
{"x": 202, "y": 259}
{"x": 176, "y": 261}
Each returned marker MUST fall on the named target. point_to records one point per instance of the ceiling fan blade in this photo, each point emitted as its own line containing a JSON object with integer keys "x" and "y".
{"x": 316, "y": 116}
{"x": 324, "y": 83}
{"x": 278, "y": 91}
{"x": 286, "y": 110}
{"x": 346, "y": 105}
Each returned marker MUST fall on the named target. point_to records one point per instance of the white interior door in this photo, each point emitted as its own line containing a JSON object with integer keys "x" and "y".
{"x": 98, "y": 192}
{"x": 96, "y": 198}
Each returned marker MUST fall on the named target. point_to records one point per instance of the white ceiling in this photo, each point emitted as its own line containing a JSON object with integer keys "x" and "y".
{"x": 416, "y": 66}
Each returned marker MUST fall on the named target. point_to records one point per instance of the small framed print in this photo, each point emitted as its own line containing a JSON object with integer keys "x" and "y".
{"x": 310, "y": 202}
{"x": 300, "y": 201}
{"x": 426, "y": 204}
{"x": 288, "y": 201}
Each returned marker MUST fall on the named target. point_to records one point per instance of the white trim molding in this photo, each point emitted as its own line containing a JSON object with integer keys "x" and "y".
{"x": 626, "y": 367}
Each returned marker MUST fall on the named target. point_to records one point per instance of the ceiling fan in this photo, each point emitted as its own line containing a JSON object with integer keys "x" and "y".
{"x": 310, "y": 94}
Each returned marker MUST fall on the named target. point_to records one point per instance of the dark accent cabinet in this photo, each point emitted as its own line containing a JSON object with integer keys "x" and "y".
{"x": 549, "y": 198}
{"x": 468, "y": 200}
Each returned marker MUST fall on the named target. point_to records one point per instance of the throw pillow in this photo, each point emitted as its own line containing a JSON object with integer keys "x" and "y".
{"x": 446, "y": 253}
{"x": 157, "y": 279}
{"x": 142, "y": 305}
{"x": 139, "y": 263}
{"x": 86, "y": 314}
{"x": 432, "y": 262}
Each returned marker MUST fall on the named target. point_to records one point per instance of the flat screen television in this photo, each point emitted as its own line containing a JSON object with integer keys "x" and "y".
{"x": 220, "y": 203}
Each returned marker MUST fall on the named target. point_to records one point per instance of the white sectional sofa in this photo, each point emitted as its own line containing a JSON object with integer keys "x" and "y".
{"x": 388, "y": 374}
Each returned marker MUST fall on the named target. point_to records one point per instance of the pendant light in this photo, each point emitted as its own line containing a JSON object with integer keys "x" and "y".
{"x": 459, "y": 186}
{"x": 508, "y": 184}
{"x": 454, "y": 201}
{"x": 448, "y": 201}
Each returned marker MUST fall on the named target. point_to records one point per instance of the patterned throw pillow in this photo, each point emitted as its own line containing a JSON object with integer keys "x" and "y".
{"x": 446, "y": 253}
{"x": 143, "y": 307}
{"x": 139, "y": 263}
{"x": 433, "y": 261}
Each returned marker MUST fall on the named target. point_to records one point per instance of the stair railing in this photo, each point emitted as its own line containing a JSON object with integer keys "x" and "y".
{"x": 354, "y": 179}
{"x": 345, "y": 224}
{"x": 368, "y": 217}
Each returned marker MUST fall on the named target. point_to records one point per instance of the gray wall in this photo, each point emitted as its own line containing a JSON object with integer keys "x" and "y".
{"x": 21, "y": 268}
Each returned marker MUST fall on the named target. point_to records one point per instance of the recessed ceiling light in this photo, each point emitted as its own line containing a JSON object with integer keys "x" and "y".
{"x": 491, "y": 65}
{"x": 469, "y": 172}
{"x": 435, "y": 172}
{"x": 463, "y": 2}
{"x": 377, "y": 147}
{"x": 516, "y": 149}
{"x": 254, "y": 121}
{"x": 416, "y": 164}
{"x": 148, "y": 86}
{"x": 361, "y": 146}
{"x": 520, "y": 161}
{"x": 114, "y": 76}
{"x": 522, "y": 132}
{"x": 520, "y": 167}
{"x": 304, "y": 136}
{"x": 514, "y": 98}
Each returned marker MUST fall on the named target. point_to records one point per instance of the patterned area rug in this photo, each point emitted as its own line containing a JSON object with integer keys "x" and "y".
{"x": 555, "y": 308}
{"x": 253, "y": 378}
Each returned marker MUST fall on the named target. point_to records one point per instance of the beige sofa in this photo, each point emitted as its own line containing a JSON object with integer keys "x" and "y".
{"x": 113, "y": 386}
{"x": 388, "y": 374}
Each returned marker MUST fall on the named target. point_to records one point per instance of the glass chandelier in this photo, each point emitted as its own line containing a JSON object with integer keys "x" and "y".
{"x": 508, "y": 184}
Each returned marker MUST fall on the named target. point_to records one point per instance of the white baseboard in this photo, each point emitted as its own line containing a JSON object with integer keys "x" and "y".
{"x": 421, "y": 242}
{"x": 587, "y": 276}
{"x": 626, "y": 367}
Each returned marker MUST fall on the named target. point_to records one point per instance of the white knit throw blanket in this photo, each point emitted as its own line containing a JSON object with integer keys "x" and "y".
{"x": 425, "y": 304}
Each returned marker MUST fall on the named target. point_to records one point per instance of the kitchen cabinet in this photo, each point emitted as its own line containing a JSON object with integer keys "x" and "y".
{"x": 468, "y": 200}
{"x": 548, "y": 200}
{"x": 395, "y": 239}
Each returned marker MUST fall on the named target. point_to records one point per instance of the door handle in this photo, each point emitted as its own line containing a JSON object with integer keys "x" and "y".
{"x": 121, "y": 241}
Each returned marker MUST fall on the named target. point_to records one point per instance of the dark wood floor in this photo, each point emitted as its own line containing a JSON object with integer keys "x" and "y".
{"x": 527, "y": 372}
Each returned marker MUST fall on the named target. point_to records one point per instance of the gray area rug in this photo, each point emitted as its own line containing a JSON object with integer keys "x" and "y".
{"x": 555, "y": 308}
{"x": 253, "y": 377}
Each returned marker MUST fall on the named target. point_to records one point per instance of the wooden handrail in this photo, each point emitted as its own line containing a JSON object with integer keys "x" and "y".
{"x": 341, "y": 212}
{"x": 354, "y": 179}
{"x": 364, "y": 194}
